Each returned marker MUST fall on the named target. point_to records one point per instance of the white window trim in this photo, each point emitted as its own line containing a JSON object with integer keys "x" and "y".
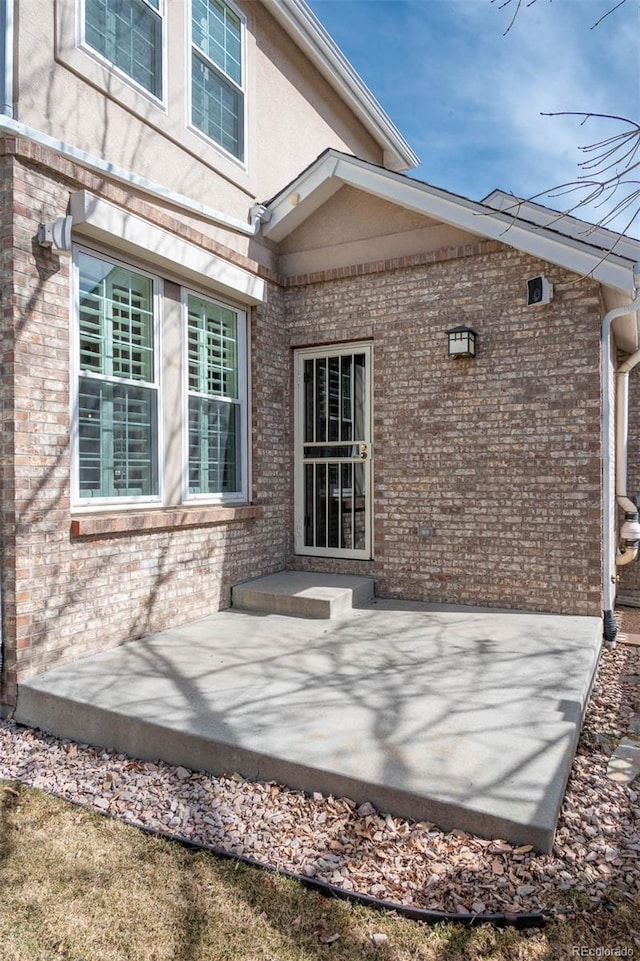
{"x": 86, "y": 48}
{"x": 89, "y": 504}
{"x": 241, "y": 496}
{"x": 240, "y": 162}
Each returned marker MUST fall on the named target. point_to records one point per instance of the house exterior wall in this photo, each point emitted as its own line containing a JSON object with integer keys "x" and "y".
{"x": 292, "y": 113}
{"x": 498, "y": 456}
{"x": 73, "y": 585}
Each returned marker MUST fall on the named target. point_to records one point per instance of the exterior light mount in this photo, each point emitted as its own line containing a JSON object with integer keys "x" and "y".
{"x": 539, "y": 291}
{"x": 56, "y": 235}
{"x": 462, "y": 341}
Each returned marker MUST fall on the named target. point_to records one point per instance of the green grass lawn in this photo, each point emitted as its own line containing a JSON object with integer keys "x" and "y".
{"x": 80, "y": 887}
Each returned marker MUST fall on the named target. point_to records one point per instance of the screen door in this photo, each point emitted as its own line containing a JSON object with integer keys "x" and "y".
{"x": 333, "y": 451}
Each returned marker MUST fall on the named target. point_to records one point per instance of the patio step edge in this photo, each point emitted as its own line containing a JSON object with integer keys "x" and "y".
{"x": 303, "y": 594}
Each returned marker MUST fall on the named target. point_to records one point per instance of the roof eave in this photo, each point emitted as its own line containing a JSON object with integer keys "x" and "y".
{"x": 333, "y": 169}
{"x": 310, "y": 36}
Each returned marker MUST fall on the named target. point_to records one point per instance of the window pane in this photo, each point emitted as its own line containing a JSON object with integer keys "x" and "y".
{"x": 128, "y": 33}
{"x": 212, "y": 335}
{"x": 214, "y": 455}
{"x": 117, "y": 428}
{"x": 116, "y": 321}
{"x": 217, "y": 107}
{"x": 215, "y": 402}
{"x": 217, "y": 32}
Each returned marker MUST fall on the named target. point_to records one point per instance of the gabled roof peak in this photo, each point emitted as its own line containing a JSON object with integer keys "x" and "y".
{"x": 553, "y": 241}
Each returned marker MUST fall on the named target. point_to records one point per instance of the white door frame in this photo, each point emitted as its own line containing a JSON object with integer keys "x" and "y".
{"x": 361, "y": 450}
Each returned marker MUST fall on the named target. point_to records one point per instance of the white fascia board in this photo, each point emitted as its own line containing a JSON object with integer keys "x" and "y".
{"x": 564, "y": 223}
{"x": 310, "y": 36}
{"x": 531, "y": 239}
{"x": 302, "y": 198}
{"x": 125, "y": 233}
{"x": 126, "y": 177}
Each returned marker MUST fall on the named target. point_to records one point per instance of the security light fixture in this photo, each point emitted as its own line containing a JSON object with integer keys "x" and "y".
{"x": 462, "y": 341}
{"x": 539, "y": 291}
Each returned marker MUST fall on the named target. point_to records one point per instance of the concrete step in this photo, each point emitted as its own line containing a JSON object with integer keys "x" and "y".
{"x": 301, "y": 594}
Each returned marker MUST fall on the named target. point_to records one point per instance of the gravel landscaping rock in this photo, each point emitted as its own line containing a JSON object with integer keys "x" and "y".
{"x": 595, "y": 859}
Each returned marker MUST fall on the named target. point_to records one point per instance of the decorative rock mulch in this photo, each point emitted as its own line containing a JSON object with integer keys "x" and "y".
{"x": 595, "y": 860}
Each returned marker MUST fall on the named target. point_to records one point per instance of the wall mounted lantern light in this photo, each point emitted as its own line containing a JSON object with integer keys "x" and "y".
{"x": 462, "y": 341}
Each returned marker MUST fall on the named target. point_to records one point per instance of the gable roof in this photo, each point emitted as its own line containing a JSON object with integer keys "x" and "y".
{"x": 298, "y": 20}
{"x": 574, "y": 245}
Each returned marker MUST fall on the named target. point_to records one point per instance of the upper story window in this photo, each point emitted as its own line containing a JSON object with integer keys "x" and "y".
{"x": 217, "y": 93}
{"x": 128, "y": 33}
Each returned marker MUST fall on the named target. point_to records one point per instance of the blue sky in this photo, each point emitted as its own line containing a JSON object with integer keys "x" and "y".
{"x": 469, "y": 99}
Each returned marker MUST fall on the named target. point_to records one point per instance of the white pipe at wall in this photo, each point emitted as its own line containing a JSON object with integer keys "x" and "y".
{"x": 622, "y": 430}
{"x": 610, "y": 559}
{"x": 6, "y": 57}
{"x": 6, "y": 109}
{"x": 258, "y": 213}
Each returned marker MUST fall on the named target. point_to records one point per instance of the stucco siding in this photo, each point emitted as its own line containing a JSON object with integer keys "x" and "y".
{"x": 353, "y": 227}
{"x": 292, "y": 113}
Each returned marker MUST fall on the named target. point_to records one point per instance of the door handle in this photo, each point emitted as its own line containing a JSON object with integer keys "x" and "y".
{"x": 363, "y": 451}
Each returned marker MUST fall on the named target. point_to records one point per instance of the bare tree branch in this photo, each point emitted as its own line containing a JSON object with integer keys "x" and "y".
{"x": 608, "y": 174}
{"x": 608, "y": 171}
{"x": 607, "y": 14}
{"x": 518, "y": 4}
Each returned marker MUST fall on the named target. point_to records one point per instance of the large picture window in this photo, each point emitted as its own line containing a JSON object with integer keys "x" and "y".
{"x": 216, "y": 359}
{"x": 117, "y": 395}
{"x": 128, "y": 33}
{"x": 217, "y": 97}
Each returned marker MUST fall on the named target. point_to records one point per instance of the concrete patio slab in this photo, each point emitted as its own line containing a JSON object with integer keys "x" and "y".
{"x": 465, "y": 717}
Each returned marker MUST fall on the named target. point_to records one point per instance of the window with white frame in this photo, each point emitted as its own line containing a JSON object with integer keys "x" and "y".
{"x": 217, "y": 82}
{"x": 216, "y": 386}
{"x": 118, "y": 383}
{"x": 128, "y": 33}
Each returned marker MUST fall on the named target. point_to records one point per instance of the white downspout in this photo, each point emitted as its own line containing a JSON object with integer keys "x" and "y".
{"x": 6, "y": 57}
{"x": 611, "y": 561}
{"x": 630, "y": 532}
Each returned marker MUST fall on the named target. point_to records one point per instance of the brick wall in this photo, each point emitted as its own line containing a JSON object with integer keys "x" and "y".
{"x": 500, "y": 455}
{"x": 66, "y": 596}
